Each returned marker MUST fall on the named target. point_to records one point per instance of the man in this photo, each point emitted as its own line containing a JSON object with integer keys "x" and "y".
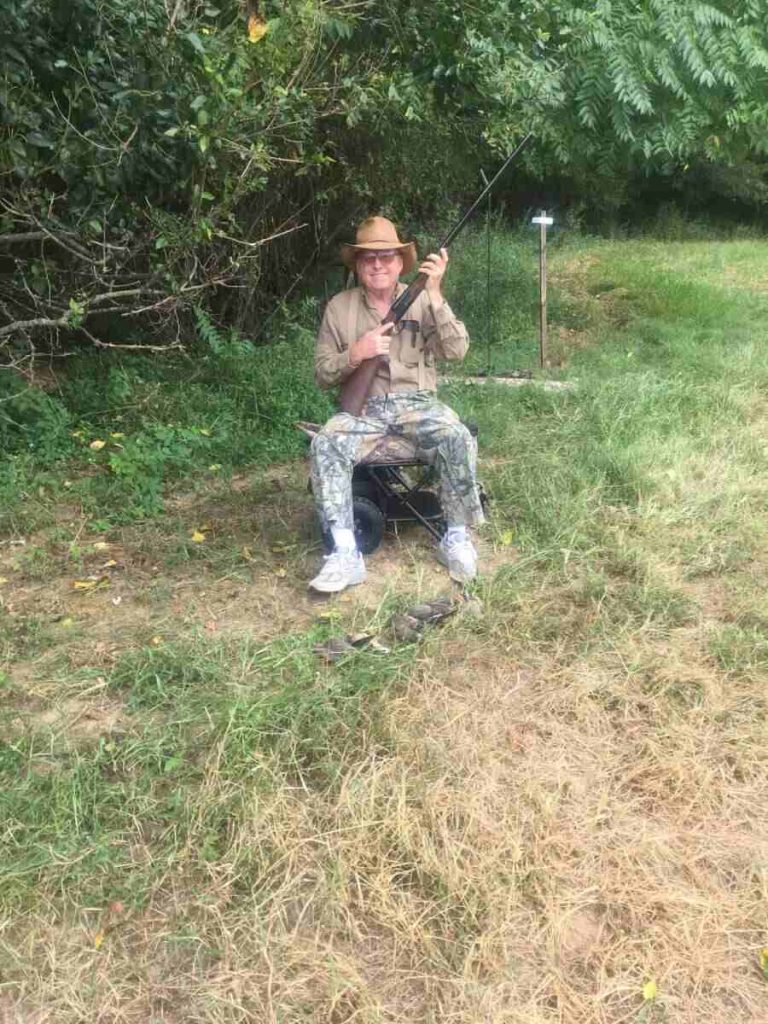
{"x": 402, "y": 399}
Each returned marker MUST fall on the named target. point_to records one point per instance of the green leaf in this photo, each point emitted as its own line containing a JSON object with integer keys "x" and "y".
{"x": 41, "y": 141}
{"x": 203, "y": 142}
{"x": 196, "y": 41}
{"x": 198, "y": 102}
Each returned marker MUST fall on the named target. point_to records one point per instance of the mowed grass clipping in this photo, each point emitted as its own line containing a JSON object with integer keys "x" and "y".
{"x": 551, "y": 811}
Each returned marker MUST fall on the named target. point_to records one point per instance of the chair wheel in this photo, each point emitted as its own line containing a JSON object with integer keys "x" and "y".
{"x": 369, "y": 526}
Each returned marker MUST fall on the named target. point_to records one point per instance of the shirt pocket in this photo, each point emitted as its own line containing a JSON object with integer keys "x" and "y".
{"x": 411, "y": 342}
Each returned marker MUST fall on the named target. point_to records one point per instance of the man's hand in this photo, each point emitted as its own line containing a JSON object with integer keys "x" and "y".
{"x": 434, "y": 267}
{"x": 371, "y": 344}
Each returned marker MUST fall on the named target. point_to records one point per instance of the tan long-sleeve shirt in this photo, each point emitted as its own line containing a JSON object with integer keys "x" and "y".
{"x": 423, "y": 336}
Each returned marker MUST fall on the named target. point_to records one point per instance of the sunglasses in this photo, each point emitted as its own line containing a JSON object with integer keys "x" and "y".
{"x": 385, "y": 256}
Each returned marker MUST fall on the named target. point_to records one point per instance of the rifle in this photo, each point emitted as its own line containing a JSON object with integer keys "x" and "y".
{"x": 357, "y": 387}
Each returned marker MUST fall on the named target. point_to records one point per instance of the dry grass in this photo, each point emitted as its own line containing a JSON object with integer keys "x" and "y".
{"x": 545, "y": 836}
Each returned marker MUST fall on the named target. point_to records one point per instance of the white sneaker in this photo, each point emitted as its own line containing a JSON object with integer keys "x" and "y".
{"x": 341, "y": 569}
{"x": 460, "y": 557}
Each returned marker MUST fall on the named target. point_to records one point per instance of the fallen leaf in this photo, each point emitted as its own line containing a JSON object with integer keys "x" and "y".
{"x": 281, "y": 573}
{"x": 117, "y": 436}
{"x": 156, "y": 641}
{"x": 197, "y": 537}
{"x": 3, "y": 579}
{"x": 205, "y": 432}
{"x": 764, "y": 962}
{"x": 247, "y": 554}
{"x": 98, "y": 939}
{"x": 97, "y": 445}
{"x": 215, "y": 467}
{"x": 67, "y": 623}
{"x": 257, "y": 28}
{"x": 91, "y": 583}
{"x": 506, "y": 537}
{"x": 110, "y": 564}
{"x": 101, "y": 545}
{"x": 650, "y": 990}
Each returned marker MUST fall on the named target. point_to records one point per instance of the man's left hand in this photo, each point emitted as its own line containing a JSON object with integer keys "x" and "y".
{"x": 434, "y": 267}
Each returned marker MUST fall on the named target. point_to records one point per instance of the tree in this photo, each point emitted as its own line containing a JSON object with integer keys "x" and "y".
{"x": 158, "y": 158}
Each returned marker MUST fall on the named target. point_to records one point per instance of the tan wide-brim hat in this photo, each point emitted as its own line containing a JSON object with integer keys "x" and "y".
{"x": 378, "y": 233}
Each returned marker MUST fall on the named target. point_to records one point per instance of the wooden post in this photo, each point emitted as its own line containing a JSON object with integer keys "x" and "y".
{"x": 543, "y": 221}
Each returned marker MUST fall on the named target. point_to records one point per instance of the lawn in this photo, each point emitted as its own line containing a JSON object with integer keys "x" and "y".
{"x": 552, "y": 809}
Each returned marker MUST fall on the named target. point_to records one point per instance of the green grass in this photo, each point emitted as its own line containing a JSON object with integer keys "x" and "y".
{"x": 204, "y": 722}
{"x": 535, "y": 812}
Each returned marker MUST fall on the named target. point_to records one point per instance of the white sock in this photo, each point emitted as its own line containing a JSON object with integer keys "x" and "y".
{"x": 343, "y": 540}
{"x": 454, "y": 534}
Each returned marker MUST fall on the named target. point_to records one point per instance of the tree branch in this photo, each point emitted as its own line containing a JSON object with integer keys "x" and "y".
{"x": 23, "y": 236}
{"x": 124, "y": 294}
{"x": 40, "y": 321}
{"x": 131, "y": 348}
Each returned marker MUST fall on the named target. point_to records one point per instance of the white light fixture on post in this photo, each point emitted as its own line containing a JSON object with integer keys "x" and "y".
{"x": 543, "y": 221}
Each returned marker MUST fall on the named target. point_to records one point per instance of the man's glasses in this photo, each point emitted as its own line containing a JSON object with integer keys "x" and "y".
{"x": 385, "y": 256}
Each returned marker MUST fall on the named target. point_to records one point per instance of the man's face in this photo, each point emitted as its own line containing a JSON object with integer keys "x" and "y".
{"x": 379, "y": 270}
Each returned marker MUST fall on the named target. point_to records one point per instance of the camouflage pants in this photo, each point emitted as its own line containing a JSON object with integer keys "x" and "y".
{"x": 437, "y": 434}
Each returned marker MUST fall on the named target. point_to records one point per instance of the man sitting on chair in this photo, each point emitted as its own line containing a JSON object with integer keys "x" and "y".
{"x": 402, "y": 400}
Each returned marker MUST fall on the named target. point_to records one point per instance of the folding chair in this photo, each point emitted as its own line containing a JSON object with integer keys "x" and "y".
{"x": 392, "y": 485}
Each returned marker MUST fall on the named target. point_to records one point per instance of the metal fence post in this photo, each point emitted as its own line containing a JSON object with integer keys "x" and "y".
{"x": 543, "y": 221}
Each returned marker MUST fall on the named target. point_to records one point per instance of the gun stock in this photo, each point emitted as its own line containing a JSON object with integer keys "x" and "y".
{"x": 356, "y": 388}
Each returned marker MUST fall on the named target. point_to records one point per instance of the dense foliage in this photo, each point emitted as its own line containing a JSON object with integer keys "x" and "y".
{"x": 158, "y": 157}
